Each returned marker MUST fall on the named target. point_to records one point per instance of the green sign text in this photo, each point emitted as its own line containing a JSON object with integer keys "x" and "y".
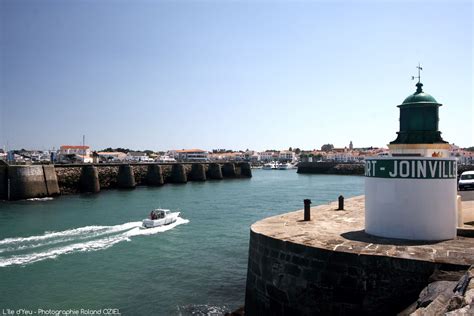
{"x": 411, "y": 168}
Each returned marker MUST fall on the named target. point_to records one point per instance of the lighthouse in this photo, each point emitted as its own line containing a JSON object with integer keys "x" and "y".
{"x": 412, "y": 193}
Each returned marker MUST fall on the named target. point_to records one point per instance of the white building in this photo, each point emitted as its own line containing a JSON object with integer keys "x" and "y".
{"x": 251, "y": 156}
{"x": 80, "y": 153}
{"x": 286, "y": 155}
{"x": 267, "y": 155}
{"x": 166, "y": 159}
{"x": 112, "y": 156}
{"x": 138, "y": 156}
{"x": 74, "y": 150}
{"x": 462, "y": 156}
{"x": 189, "y": 154}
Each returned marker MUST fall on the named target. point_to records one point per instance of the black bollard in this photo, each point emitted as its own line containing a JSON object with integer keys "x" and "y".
{"x": 341, "y": 203}
{"x": 307, "y": 210}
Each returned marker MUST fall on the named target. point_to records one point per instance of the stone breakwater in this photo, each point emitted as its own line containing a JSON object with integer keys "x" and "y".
{"x": 331, "y": 168}
{"x": 23, "y": 182}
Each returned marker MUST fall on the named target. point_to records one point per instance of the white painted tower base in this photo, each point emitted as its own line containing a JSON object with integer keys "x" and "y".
{"x": 411, "y": 198}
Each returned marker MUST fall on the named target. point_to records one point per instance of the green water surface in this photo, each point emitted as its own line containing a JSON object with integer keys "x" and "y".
{"x": 195, "y": 268}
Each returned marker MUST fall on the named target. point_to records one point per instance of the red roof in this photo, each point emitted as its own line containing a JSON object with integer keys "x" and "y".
{"x": 74, "y": 147}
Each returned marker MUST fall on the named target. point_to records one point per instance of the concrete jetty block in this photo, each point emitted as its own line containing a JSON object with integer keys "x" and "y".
{"x": 215, "y": 171}
{"x": 245, "y": 170}
{"x": 3, "y": 182}
{"x": 228, "y": 170}
{"x": 154, "y": 176}
{"x": 27, "y": 182}
{"x": 51, "y": 180}
{"x": 89, "y": 181}
{"x": 198, "y": 173}
{"x": 178, "y": 174}
{"x": 126, "y": 177}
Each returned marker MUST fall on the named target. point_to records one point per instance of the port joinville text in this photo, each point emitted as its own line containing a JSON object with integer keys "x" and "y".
{"x": 411, "y": 168}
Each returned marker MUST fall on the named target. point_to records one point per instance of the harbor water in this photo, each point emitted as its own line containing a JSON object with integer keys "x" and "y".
{"x": 88, "y": 252}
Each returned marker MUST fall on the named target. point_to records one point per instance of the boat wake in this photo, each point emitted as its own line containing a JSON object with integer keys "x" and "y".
{"x": 50, "y": 245}
{"x": 41, "y": 199}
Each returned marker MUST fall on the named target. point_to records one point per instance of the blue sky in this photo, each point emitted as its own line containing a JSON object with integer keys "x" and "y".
{"x": 228, "y": 74}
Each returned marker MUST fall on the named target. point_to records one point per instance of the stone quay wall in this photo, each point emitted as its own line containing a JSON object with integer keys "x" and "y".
{"x": 33, "y": 181}
{"x": 285, "y": 278}
{"x": 327, "y": 167}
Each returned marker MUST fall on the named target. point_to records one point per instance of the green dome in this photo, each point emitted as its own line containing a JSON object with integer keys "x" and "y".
{"x": 419, "y": 119}
{"x": 419, "y": 96}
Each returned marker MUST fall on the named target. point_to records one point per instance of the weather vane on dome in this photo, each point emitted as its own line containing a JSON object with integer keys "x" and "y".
{"x": 419, "y": 73}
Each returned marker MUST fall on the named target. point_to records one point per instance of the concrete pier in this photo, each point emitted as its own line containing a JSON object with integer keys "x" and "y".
{"x": 215, "y": 171}
{"x": 178, "y": 174}
{"x": 32, "y": 182}
{"x": 154, "y": 176}
{"x": 328, "y": 167}
{"x": 50, "y": 180}
{"x": 245, "y": 170}
{"x": 330, "y": 266}
{"x": 198, "y": 173}
{"x": 126, "y": 177}
{"x": 89, "y": 181}
{"x": 228, "y": 170}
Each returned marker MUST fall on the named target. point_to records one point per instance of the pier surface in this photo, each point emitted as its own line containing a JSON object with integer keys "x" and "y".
{"x": 330, "y": 266}
{"x": 343, "y": 231}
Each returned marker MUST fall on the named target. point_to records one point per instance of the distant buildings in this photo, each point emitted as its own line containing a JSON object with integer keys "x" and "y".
{"x": 112, "y": 156}
{"x": 463, "y": 156}
{"x": 268, "y": 155}
{"x": 138, "y": 156}
{"x": 286, "y": 156}
{"x": 227, "y": 156}
{"x": 84, "y": 154}
{"x": 165, "y": 159}
{"x": 189, "y": 154}
{"x": 73, "y": 153}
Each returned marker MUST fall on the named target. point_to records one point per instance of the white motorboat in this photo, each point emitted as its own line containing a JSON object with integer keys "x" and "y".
{"x": 268, "y": 166}
{"x": 271, "y": 165}
{"x": 286, "y": 166}
{"x": 160, "y": 217}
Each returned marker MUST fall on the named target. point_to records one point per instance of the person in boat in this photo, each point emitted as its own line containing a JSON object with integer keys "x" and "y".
{"x": 153, "y": 215}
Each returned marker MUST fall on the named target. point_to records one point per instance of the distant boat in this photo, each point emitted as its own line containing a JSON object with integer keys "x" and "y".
{"x": 167, "y": 159}
{"x": 160, "y": 217}
{"x": 271, "y": 166}
{"x": 286, "y": 166}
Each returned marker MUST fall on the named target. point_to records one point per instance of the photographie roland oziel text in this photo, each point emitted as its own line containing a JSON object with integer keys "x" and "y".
{"x": 61, "y": 312}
